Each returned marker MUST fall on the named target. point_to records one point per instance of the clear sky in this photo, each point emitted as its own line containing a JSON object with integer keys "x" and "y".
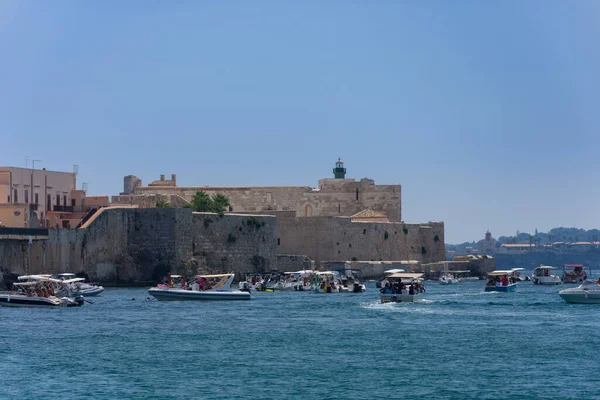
{"x": 486, "y": 112}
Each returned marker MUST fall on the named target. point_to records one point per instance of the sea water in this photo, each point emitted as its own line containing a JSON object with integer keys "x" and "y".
{"x": 460, "y": 343}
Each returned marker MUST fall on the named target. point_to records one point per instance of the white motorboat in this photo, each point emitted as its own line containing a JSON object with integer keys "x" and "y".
{"x": 202, "y": 289}
{"x": 299, "y": 281}
{"x": 38, "y": 294}
{"x": 517, "y": 274}
{"x": 402, "y": 287}
{"x": 542, "y": 276}
{"x": 448, "y": 279}
{"x": 587, "y": 293}
{"x": 327, "y": 282}
{"x": 78, "y": 285}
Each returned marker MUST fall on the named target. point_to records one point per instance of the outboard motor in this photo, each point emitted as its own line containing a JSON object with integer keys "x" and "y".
{"x": 79, "y": 300}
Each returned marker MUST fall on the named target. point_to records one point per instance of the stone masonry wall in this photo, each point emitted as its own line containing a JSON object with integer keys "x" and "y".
{"x": 237, "y": 243}
{"x": 340, "y": 239}
{"x": 335, "y": 197}
{"x": 136, "y": 245}
{"x": 292, "y": 263}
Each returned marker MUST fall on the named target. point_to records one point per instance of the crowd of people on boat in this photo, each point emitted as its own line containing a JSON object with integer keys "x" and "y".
{"x": 501, "y": 281}
{"x": 179, "y": 282}
{"x": 40, "y": 289}
{"x": 399, "y": 287}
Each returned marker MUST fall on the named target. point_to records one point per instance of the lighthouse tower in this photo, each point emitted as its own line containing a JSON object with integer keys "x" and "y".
{"x": 339, "y": 172}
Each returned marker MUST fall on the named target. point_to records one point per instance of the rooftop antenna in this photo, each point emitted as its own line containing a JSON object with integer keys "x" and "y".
{"x": 26, "y": 161}
{"x": 75, "y": 169}
{"x": 84, "y": 186}
{"x": 33, "y": 163}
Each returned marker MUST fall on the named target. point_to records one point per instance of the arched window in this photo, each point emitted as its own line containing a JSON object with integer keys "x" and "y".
{"x": 308, "y": 210}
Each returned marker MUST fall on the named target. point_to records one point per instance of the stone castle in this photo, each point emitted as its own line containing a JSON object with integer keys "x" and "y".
{"x": 341, "y": 220}
{"x": 286, "y": 228}
{"x": 334, "y": 197}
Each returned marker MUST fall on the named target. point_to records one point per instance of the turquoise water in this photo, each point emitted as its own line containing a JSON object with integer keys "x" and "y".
{"x": 461, "y": 343}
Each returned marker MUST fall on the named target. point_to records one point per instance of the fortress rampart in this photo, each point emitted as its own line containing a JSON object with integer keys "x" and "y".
{"x": 136, "y": 245}
{"x": 340, "y": 239}
{"x": 334, "y": 197}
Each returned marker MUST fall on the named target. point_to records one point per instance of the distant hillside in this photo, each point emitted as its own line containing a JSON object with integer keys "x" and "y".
{"x": 554, "y": 235}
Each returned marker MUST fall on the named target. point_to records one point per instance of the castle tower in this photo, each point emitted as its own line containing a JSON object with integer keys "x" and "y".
{"x": 339, "y": 172}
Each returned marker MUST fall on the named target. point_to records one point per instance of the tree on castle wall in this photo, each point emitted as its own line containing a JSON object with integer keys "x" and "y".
{"x": 202, "y": 202}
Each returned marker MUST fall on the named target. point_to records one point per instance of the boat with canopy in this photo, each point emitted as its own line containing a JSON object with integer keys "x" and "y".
{"x": 204, "y": 287}
{"x": 40, "y": 293}
{"x": 542, "y": 275}
{"x": 402, "y": 287}
{"x": 501, "y": 281}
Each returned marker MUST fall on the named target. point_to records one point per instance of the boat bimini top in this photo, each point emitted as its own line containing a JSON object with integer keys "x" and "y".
{"x": 225, "y": 279}
{"x": 500, "y": 273}
{"x": 392, "y": 271}
{"x": 406, "y": 275}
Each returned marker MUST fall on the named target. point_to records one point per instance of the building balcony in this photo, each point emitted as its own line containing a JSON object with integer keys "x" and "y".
{"x": 63, "y": 208}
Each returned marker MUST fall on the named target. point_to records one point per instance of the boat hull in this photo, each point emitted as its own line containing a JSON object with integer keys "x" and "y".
{"x": 576, "y": 280}
{"x": 580, "y": 297}
{"x": 25, "y": 301}
{"x": 192, "y": 295}
{"x": 94, "y": 291}
{"x": 509, "y": 288}
{"x": 546, "y": 280}
{"x": 401, "y": 298}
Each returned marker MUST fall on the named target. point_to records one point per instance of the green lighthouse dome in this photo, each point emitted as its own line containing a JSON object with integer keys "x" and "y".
{"x": 339, "y": 172}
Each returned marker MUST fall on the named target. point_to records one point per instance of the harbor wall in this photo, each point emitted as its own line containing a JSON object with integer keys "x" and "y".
{"x": 340, "y": 239}
{"x": 138, "y": 246}
{"x": 239, "y": 243}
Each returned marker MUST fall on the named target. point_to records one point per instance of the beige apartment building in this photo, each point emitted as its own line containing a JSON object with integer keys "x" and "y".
{"x": 31, "y": 198}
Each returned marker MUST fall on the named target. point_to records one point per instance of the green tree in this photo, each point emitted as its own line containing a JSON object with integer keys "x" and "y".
{"x": 220, "y": 203}
{"x": 201, "y": 202}
{"x": 162, "y": 204}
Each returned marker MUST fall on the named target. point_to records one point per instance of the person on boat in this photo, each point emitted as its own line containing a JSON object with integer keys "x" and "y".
{"x": 504, "y": 281}
{"x": 182, "y": 283}
{"x": 169, "y": 280}
{"x": 411, "y": 290}
{"x": 598, "y": 281}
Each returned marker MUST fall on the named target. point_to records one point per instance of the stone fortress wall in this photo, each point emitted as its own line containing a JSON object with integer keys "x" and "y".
{"x": 316, "y": 222}
{"x": 334, "y": 197}
{"x": 340, "y": 239}
{"x": 137, "y": 245}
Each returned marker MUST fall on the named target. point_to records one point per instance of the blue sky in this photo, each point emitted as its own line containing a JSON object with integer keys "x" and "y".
{"x": 486, "y": 112}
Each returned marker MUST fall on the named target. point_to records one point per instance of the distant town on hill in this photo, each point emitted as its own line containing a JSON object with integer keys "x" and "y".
{"x": 557, "y": 247}
{"x": 555, "y": 239}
